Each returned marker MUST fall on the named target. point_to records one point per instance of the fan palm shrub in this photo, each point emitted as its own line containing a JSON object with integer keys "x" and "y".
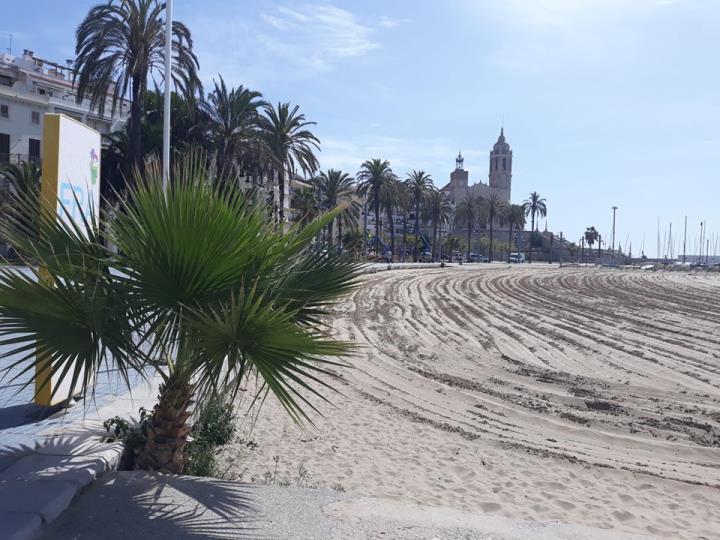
{"x": 119, "y": 45}
{"x": 203, "y": 290}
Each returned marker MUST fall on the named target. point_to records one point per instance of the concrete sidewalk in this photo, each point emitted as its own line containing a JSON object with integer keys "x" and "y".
{"x": 136, "y": 504}
{"x": 44, "y": 465}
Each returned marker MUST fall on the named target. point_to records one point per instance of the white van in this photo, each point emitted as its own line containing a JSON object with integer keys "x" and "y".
{"x": 517, "y": 257}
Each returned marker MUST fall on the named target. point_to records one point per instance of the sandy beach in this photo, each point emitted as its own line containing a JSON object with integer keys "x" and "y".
{"x": 584, "y": 396}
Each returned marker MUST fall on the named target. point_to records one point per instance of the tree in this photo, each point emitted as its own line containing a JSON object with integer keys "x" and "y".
{"x": 306, "y": 201}
{"x": 405, "y": 205}
{"x": 372, "y": 175}
{"x": 468, "y": 212}
{"x": 439, "y": 211}
{"x": 591, "y": 236}
{"x": 419, "y": 183}
{"x": 231, "y": 123}
{"x": 514, "y": 218}
{"x": 389, "y": 194}
{"x": 534, "y": 206}
{"x": 287, "y": 144}
{"x": 203, "y": 291}
{"x": 118, "y": 46}
{"x": 20, "y": 183}
{"x": 494, "y": 207}
{"x": 336, "y": 187}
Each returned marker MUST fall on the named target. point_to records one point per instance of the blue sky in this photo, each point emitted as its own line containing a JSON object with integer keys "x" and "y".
{"x": 604, "y": 101}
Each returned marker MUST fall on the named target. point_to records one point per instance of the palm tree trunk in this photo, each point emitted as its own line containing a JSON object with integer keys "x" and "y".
{"x": 510, "y": 227}
{"x": 417, "y": 227}
{"x": 331, "y": 239}
{"x": 434, "y": 240}
{"x": 377, "y": 220}
{"x": 168, "y": 429}
{"x": 532, "y": 235}
{"x": 392, "y": 233}
{"x": 468, "y": 246}
{"x": 490, "y": 256}
{"x": 135, "y": 129}
{"x": 340, "y": 237}
{"x": 404, "y": 241}
{"x": 281, "y": 187}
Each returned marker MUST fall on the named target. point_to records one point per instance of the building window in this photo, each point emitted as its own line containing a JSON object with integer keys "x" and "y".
{"x": 5, "y": 80}
{"x": 35, "y": 117}
{"x": 41, "y": 91}
{"x": 4, "y": 147}
{"x": 4, "y": 111}
{"x": 34, "y": 149}
{"x": 504, "y": 164}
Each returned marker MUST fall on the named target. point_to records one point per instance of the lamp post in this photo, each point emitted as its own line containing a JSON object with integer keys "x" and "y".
{"x": 166, "y": 108}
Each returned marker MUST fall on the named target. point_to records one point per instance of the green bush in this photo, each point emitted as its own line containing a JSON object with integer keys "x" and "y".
{"x": 215, "y": 426}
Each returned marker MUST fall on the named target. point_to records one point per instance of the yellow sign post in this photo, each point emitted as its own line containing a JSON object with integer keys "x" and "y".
{"x": 70, "y": 189}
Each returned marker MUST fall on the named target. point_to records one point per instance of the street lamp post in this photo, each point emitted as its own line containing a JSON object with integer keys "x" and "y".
{"x": 166, "y": 108}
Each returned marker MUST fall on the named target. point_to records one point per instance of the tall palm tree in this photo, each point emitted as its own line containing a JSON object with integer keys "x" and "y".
{"x": 419, "y": 183}
{"x": 534, "y": 206}
{"x": 306, "y": 201}
{"x": 372, "y": 175}
{"x": 468, "y": 213}
{"x": 231, "y": 120}
{"x": 439, "y": 211}
{"x": 336, "y": 187}
{"x": 514, "y": 218}
{"x": 202, "y": 291}
{"x": 118, "y": 46}
{"x": 288, "y": 144}
{"x": 405, "y": 205}
{"x": 494, "y": 208}
{"x": 389, "y": 195}
{"x": 591, "y": 236}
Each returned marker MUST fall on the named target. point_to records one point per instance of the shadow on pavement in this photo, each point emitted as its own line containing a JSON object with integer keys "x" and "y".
{"x": 142, "y": 505}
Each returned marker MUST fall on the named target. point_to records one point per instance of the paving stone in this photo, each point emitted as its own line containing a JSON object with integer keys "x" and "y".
{"x": 46, "y": 498}
{"x": 19, "y": 526}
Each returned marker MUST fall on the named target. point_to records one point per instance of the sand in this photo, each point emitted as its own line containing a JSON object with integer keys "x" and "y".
{"x": 582, "y": 396}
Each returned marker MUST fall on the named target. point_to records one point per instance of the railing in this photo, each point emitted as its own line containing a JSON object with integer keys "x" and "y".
{"x": 17, "y": 159}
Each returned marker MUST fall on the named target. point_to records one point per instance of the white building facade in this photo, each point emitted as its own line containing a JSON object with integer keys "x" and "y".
{"x": 31, "y": 87}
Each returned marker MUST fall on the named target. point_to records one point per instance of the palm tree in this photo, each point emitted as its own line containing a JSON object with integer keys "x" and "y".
{"x": 336, "y": 187}
{"x": 372, "y": 175}
{"x": 287, "y": 144}
{"x": 231, "y": 118}
{"x": 405, "y": 205}
{"x": 591, "y": 236}
{"x": 203, "y": 291}
{"x": 118, "y": 45}
{"x": 389, "y": 195}
{"x": 494, "y": 207}
{"x": 468, "y": 212}
{"x": 419, "y": 183}
{"x": 514, "y": 218}
{"x": 306, "y": 201}
{"x": 439, "y": 211}
{"x": 534, "y": 205}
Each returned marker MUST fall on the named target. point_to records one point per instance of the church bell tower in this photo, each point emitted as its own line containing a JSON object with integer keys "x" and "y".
{"x": 500, "y": 176}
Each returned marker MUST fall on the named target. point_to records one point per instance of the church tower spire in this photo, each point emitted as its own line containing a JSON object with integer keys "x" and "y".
{"x": 500, "y": 175}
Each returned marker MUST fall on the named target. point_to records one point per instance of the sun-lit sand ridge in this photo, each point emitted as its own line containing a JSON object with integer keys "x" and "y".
{"x": 580, "y": 395}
